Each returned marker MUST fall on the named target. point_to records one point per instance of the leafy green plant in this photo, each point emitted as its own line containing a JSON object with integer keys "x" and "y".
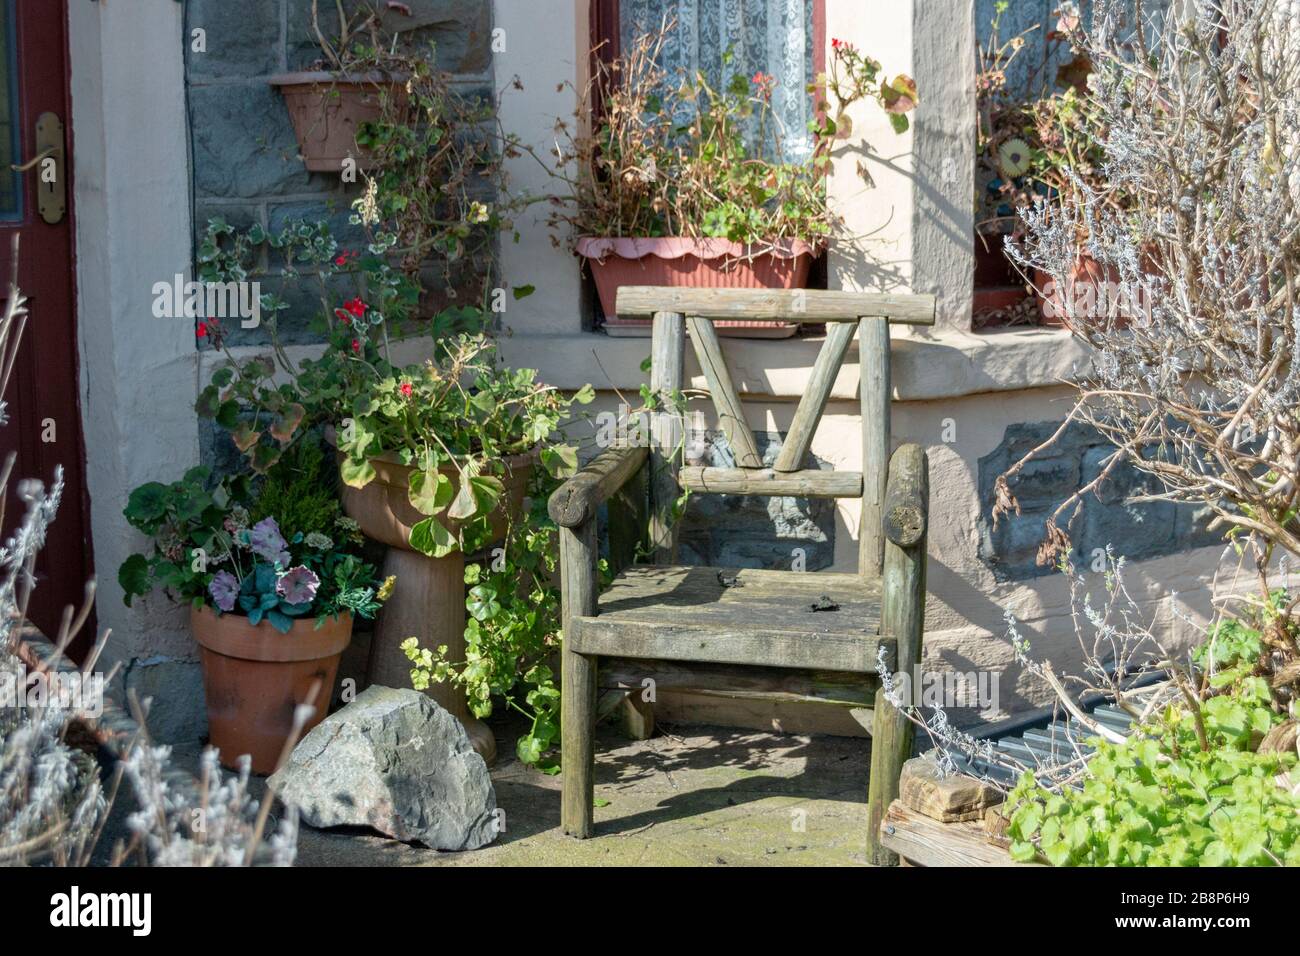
{"x": 1188, "y": 788}
{"x": 460, "y": 411}
{"x": 208, "y": 549}
{"x": 435, "y": 156}
{"x": 512, "y": 632}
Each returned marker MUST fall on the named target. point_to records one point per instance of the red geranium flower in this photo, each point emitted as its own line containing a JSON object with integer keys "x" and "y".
{"x": 356, "y": 345}
{"x": 356, "y": 307}
{"x": 406, "y": 389}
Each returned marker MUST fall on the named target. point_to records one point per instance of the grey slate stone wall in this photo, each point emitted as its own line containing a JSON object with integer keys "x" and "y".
{"x": 246, "y": 167}
{"x": 1147, "y": 530}
{"x": 739, "y": 531}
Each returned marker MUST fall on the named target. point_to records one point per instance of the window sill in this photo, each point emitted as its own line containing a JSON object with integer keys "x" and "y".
{"x": 927, "y": 365}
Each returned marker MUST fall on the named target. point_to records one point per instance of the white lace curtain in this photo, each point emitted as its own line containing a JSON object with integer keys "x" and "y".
{"x": 772, "y": 36}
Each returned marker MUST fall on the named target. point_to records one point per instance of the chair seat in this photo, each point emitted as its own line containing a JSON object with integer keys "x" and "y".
{"x": 803, "y": 620}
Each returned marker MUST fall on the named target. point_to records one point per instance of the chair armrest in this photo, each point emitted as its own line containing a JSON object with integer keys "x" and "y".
{"x": 907, "y": 496}
{"x": 575, "y": 502}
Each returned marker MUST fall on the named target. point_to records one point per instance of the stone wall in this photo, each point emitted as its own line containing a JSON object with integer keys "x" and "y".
{"x": 246, "y": 167}
{"x": 745, "y": 531}
{"x": 1111, "y": 518}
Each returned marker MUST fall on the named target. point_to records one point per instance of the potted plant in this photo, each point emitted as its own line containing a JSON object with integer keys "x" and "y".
{"x": 274, "y": 575}
{"x": 434, "y": 456}
{"x": 690, "y": 187}
{"x": 431, "y": 153}
{"x": 1037, "y": 144}
{"x": 351, "y": 86}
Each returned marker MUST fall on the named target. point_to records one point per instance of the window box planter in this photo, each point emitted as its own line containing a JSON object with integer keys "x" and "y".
{"x": 254, "y": 677}
{"x": 326, "y": 110}
{"x": 695, "y": 263}
{"x": 429, "y": 601}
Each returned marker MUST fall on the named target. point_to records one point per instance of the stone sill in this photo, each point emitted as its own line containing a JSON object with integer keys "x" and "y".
{"x": 927, "y": 365}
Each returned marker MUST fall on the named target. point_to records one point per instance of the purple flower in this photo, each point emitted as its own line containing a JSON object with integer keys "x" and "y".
{"x": 297, "y": 585}
{"x": 267, "y": 543}
{"x": 224, "y": 589}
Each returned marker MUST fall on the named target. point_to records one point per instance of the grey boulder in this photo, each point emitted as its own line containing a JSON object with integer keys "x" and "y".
{"x": 396, "y": 761}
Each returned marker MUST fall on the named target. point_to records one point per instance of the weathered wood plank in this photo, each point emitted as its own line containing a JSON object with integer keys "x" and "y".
{"x": 928, "y": 842}
{"x": 577, "y": 499}
{"x": 731, "y": 414}
{"x": 903, "y": 620}
{"x": 578, "y": 681}
{"x": 718, "y": 644}
{"x": 798, "y": 439}
{"x": 800, "y": 484}
{"x": 771, "y": 600}
{"x": 740, "y": 683}
{"x": 875, "y": 391}
{"x": 668, "y": 343}
{"x": 777, "y": 305}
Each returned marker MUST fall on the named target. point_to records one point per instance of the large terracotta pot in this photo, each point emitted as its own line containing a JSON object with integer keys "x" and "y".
{"x": 428, "y": 602}
{"x": 254, "y": 677}
{"x": 326, "y": 111}
{"x": 385, "y": 513}
{"x": 695, "y": 263}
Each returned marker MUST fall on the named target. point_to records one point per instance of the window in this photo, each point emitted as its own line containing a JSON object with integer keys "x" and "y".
{"x": 784, "y": 38}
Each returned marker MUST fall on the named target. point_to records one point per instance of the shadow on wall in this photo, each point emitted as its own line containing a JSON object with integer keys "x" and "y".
{"x": 1133, "y": 530}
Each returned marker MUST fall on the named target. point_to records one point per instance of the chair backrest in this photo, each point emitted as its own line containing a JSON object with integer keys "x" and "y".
{"x": 678, "y": 310}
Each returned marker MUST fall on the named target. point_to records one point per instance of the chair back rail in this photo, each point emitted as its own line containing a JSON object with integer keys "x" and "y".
{"x": 678, "y": 310}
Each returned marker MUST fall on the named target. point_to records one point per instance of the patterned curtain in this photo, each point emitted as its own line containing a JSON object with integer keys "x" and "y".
{"x": 772, "y": 36}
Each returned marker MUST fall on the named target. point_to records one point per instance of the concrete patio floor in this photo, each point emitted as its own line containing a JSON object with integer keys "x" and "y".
{"x": 693, "y": 796}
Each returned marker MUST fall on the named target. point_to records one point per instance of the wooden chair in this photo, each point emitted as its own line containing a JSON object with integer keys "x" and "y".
{"x": 707, "y": 621}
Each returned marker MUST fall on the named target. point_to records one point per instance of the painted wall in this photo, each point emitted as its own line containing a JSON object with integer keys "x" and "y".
{"x": 139, "y": 373}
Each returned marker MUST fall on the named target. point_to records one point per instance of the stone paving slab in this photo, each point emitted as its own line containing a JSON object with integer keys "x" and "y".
{"x": 698, "y": 796}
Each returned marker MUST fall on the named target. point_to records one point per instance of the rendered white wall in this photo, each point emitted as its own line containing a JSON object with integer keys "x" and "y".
{"x": 139, "y": 373}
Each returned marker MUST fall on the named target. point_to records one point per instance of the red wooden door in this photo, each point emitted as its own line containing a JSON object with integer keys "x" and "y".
{"x": 44, "y": 426}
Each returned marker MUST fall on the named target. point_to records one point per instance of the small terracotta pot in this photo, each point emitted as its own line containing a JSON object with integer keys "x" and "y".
{"x": 254, "y": 677}
{"x": 326, "y": 111}
{"x": 1087, "y": 277}
{"x": 695, "y": 263}
{"x": 385, "y": 513}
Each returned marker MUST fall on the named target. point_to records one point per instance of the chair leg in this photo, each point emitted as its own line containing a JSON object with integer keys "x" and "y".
{"x": 891, "y": 745}
{"x": 637, "y": 716}
{"x": 578, "y": 751}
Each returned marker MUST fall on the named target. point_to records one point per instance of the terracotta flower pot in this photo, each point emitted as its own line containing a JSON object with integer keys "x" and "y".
{"x": 385, "y": 513}
{"x": 254, "y": 677}
{"x": 326, "y": 111}
{"x": 695, "y": 263}
{"x": 1090, "y": 288}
